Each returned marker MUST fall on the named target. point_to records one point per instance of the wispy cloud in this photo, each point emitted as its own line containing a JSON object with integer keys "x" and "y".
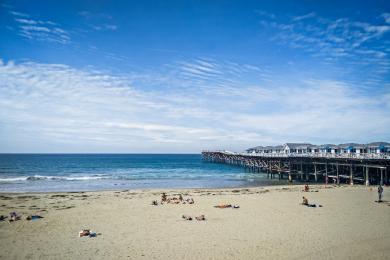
{"x": 52, "y": 105}
{"x": 18, "y": 14}
{"x": 327, "y": 36}
{"x": 345, "y": 42}
{"x": 303, "y": 17}
{"x": 40, "y": 30}
{"x": 99, "y": 21}
{"x": 103, "y": 27}
{"x": 91, "y": 15}
{"x": 386, "y": 16}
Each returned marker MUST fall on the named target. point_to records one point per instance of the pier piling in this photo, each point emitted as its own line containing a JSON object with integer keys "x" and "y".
{"x": 341, "y": 170}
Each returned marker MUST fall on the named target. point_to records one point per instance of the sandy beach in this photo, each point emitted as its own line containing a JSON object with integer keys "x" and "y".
{"x": 270, "y": 224}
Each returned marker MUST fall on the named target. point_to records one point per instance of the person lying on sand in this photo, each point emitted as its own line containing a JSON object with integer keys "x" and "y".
{"x": 84, "y": 233}
{"x": 200, "y": 218}
{"x": 223, "y": 206}
{"x": 33, "y": 217}
{"x": 87, "y": 233}
{"x": 190, "y": 201}
{"x": 305, "y": 202}
{"x": 186, "y": 217}
{"x": 13, "y": 217}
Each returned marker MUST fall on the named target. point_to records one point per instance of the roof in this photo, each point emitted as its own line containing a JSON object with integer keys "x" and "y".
{"x": 271, "y": 147}
{"x": 328, "y": 146}
{"x": 378, "y": 144}
{"x": 347, "y": 145}
{"x": 257, "y": 147}
{"x": 298, "y": 145}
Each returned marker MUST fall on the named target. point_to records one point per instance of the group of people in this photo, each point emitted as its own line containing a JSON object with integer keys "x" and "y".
{"x": 306, "y": 202}
{"x": 199, "y": 218}
{"x": 173, "y": 200}
{"x": 178, "y": 200}
{"x": 13, "y": 216}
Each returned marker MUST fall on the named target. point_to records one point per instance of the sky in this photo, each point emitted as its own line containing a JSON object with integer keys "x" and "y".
{"x": 185, "y": 76}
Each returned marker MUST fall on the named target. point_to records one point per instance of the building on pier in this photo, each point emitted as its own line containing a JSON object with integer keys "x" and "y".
{"x": 310, "y": 149}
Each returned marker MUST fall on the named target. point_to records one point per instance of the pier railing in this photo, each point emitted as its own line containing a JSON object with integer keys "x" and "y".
{"x": 384, "y": 156}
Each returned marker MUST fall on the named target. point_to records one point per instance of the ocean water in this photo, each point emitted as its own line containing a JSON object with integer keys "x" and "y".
{"x": 90, "y": 172}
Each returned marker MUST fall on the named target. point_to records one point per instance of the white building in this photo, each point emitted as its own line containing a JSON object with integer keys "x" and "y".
{"x": 307, "y": 148}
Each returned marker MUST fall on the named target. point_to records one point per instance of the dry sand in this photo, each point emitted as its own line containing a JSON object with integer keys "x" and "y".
{"x": 270, "y": 224}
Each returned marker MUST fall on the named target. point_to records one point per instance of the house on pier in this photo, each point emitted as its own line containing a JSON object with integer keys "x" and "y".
{"x": 307, "y": 148}
{"x": 378, "y": 147}
{"x": 352, "y": 148}
{"x": 299, "y": 148}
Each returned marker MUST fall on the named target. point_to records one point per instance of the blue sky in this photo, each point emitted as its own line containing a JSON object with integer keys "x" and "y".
{"x": 182, "y": 76}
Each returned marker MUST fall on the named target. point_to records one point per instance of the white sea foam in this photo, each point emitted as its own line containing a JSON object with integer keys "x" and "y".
{"x": 59, "y": 178}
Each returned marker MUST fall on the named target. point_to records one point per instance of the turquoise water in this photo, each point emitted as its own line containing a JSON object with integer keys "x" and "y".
{"x": 88, "y": 172}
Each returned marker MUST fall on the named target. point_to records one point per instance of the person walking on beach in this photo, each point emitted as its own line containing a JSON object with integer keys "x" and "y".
{"x": 380, "y": 192}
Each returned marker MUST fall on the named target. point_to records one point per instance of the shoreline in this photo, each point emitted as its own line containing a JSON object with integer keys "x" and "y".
{"x": 270, "y": 223}
{"x": 187, "y": 189}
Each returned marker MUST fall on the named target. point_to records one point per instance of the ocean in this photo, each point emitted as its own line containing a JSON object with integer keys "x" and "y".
{"x": 93, "y": 172}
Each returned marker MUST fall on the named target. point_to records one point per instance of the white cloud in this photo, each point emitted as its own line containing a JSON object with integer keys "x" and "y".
{"x": 105, "y": 27}
{"x": 303, "y": 17}
{"x": 99, "y": 21}
{"x": 18, "y": 14}
{"x": 40, "y": 30}
{"x": 386, "y": 17}
{"x": 343, "y": 44}
{"x": 324, "y": 35}
{"x": 26, "y": 21}
{"x": 57, "y": 108}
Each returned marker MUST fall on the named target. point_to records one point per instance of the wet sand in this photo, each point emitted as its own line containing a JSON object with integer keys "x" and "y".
{"x": 270, "y": 224}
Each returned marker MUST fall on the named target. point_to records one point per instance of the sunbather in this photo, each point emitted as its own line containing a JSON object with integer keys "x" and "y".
{"x": 13, "y": 217}
{"x": 84, "y": 233}
{"x": 186, "y": 217}
{"x": 223, "y": 206}
{"x": 305, "y": 202}
{"x": 201, "y": 217}
{"x": 33, "y": 217}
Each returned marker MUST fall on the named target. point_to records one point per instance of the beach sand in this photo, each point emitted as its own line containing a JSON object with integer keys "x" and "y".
{"x": 270, "y": 224}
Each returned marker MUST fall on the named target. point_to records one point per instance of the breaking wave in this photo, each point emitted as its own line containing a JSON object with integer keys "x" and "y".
{"x": 55, "y": 178}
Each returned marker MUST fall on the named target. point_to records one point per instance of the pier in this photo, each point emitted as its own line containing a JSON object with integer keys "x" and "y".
{"x": 351, "y": 169}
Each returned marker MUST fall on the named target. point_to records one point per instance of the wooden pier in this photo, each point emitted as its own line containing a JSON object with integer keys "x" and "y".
{"x": 333, "y": 169}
